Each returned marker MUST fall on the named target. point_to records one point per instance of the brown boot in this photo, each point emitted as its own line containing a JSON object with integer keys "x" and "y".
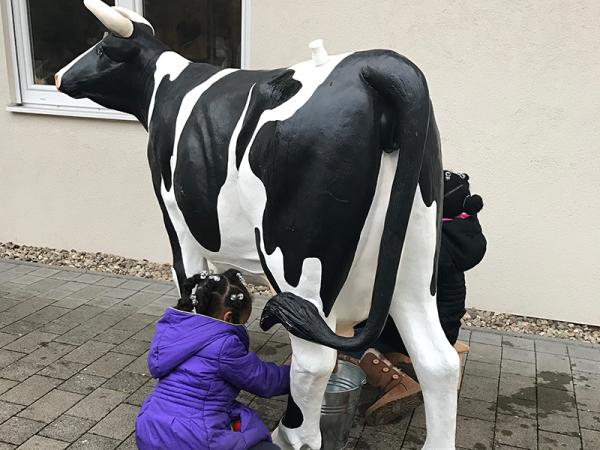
{"x": 400, "y": 393}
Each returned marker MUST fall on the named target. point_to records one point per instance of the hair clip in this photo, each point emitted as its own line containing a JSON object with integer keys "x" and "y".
{"x": 236, "y": 297}
{"x": 216, "y": 278}
{"x": 194, "y": 300}
{"x": 203, "y": 275}
{"x": 240, "y": 277}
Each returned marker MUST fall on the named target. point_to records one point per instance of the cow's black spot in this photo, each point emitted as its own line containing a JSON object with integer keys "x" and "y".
{"x": 265, "y": 95}
{"x": 293, "y": 417}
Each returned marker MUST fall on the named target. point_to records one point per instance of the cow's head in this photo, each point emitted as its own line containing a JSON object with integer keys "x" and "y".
{"x": 115, "y": 72}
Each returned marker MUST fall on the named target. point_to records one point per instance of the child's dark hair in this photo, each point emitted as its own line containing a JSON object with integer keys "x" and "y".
{"x": 208, "y": 294}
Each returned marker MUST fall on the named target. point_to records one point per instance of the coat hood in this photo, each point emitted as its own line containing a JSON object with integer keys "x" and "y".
{"x": 180, "y": 335}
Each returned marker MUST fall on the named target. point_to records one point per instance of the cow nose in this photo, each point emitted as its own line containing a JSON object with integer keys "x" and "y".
{"x": 57, "y": 80}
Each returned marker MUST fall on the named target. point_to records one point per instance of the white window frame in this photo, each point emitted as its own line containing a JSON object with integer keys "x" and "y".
{"x": 45, "y": 99}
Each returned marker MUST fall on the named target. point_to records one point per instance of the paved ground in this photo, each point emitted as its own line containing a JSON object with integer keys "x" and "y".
{"x": 73, "y": 372}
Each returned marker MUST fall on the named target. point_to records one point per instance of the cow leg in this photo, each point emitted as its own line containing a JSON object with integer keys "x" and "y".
{"x": 312, "y": 365}
{"x": 414, "y": 311}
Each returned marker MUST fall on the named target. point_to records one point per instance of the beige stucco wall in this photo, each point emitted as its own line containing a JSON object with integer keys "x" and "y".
{"x": 515, "y": 88}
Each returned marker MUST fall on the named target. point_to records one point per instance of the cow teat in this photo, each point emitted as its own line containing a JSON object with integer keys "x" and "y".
{"x": 319, "y": 54}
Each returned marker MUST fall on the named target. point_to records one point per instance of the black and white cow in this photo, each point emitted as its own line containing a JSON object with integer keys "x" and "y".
{"x": 326, "y": 176}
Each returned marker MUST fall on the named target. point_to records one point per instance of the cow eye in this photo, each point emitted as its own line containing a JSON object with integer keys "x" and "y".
{"x": 99, "y": 51}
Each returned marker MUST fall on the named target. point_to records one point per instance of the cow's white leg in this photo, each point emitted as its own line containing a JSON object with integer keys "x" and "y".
{"x": 414, "y": 311}
{"x": 312, "y": 365}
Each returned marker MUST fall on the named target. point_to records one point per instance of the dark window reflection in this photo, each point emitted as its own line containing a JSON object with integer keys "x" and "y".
{"x": 60, "y": 31}
{"x": 201, "y": 30}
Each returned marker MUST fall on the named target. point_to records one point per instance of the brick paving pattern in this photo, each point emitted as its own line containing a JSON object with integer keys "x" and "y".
{"x": 73, "y": 373}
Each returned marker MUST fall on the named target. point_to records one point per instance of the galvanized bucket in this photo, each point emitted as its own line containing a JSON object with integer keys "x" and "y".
{"x": 339, "y": 405}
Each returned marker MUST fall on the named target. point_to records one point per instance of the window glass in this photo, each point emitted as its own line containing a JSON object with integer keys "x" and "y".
{"x": 201, "y": 30}
{"x": 59, "y": 32}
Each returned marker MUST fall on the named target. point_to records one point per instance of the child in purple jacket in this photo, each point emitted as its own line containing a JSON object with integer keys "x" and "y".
{"x": 201, "y": 361}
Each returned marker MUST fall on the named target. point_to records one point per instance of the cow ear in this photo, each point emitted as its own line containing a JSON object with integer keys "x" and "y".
{"x": 121, "y": 52}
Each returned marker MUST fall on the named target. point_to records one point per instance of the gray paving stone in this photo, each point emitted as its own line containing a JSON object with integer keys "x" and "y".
{"x": 552, "y": 441}
{"x": 474, "y": 433}
{"x": 73, "y": 286}
{"x": 67, "y": 428}
{"x": 158, "y": 288}
{"x": 47, "y": 314}
{"x": 127, "y": 382}
{"x": 118, "y": 424}
{"x": 30, "y": 342}
{"x": 257, "y": 340}
{"x": 44, "y": 272}
{"x": 57, "y": 293}
{"x": 557, "y": 411}
{"x": 590, "y": 439}
{"x": 88, "y": 278}
{"x": 7, "y": 410}
{"x": 82, "y": 383}
{"x": 138, "y": 397}
{"x": 44, "y": 286}
{"x": 518, "y": 343}
{"x": 552, "y": 363}
{"x": 105, "y": 302}
{"x": 414, "y": 439}
{"x": 119, "y": 292}
{"x": 153, "y": 310}
{"x": 555, "y": 380}
{"x": 20, "y": 370}
{"x": 89, "y": 292}
{"x": 128, "y": 444}
{"x": 146, "y": 333}
{"x": 486, "y": 338}
{"x": 5, "y": 446}
{"x": 110, "y": 281}
{"x": 476, "y": 409}
{"x": 70, "y": 302}
{"x": 482, "y": 369}
{"x": 516, "y": 431}
{"x": 7, "y": 303}
{"x": 517, "y": 407}
{"x": 42, "y": 443}
{"x": 48, "y": 353}
{"x": 7, "y": 357}
{"x": 88, "y": 352}
{"x": 113, "y": 336}
{"x": 5, "y": 385}
{"x": 27, "y": 279}
{"x": 275, "y": 352}
{"x": 135, "y": 284}
{"x": 518, "y": 355}
{"x": 17, "y": 430}
{"x": 581, "y": 352}
{"x": 135, "y": 322}
{"x": 140, "y": 365}
{"x": 109, "y": 365}
{"x": 587, "y": 399}
{"x": 65, "y": 275}
{"x": 479, "y": 388}
{"x": 516, "y": 386}
{"x": 94, "y": 442}
{"x": 585, "y": 365}
{"x": 98, "y": 404}
{"x": 132, "y": 347}
{"x": 484, "y": 353}
{"x": 587, "y": 380}
{"x": 50, "y": 406}
{"x": 62, "y": 369}
{"x": 518, "y": 368}
{"x": 589, "y": 419}
{"x": 21, "y": 327}
{"x": 372, "y": 439}
{"x": 30, "y": 390}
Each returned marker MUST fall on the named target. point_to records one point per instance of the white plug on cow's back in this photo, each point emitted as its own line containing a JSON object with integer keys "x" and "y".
{"x": 319, "y": 54}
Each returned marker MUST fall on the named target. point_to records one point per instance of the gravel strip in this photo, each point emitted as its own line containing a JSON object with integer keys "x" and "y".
{"x": 103, "y": 262}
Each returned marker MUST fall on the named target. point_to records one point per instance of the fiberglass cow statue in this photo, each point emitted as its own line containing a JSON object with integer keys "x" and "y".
{"x": 326, "y": 176}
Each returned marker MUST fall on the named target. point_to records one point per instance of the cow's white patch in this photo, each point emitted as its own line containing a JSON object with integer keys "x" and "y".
{"x": 191, "y": 251}
{"x": 65, "y": 69}
{"x": 168, "y": 63}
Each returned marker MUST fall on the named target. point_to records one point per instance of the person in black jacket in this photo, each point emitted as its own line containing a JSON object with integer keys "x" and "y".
{"x": 462, "y": 247}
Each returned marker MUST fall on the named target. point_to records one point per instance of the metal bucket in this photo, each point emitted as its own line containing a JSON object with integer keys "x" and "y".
{"x": 339, "y": 405}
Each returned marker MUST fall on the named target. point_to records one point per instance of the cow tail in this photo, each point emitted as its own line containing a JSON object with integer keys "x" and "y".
{"x": 401, "y": 84}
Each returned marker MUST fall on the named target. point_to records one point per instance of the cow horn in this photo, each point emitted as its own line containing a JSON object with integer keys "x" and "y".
{"x": 113, "y": 20}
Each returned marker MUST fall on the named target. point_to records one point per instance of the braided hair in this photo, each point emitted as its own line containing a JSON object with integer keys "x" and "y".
{"x": 210, "y": 294}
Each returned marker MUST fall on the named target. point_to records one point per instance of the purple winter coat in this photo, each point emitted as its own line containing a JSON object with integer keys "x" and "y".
{"x": 202, "y": 364}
